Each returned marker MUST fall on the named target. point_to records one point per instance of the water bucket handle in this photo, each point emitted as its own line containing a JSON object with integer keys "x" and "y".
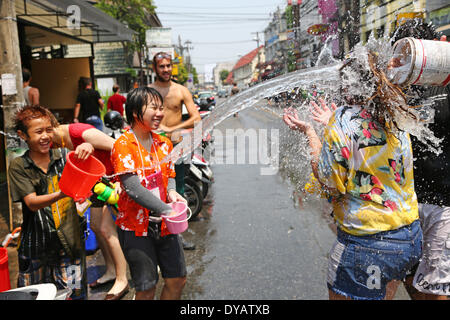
{"x": 190, "y": 215}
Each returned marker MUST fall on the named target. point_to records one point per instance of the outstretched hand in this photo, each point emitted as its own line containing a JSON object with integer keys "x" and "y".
{"x": 322, "y": 113}
{"x": 290, "y": 117}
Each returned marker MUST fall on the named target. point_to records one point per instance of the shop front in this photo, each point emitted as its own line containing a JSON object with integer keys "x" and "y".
{"x": 35, "y": 35}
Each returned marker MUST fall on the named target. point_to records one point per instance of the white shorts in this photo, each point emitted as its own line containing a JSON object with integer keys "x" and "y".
{"x": 433, "y": 272}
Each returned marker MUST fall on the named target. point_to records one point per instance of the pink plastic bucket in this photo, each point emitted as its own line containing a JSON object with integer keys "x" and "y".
{"x": 178, "y": 223}
{"x": 79, "y": 176}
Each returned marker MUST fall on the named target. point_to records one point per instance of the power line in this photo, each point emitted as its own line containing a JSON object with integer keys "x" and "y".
{"x": 230, "y": 42}
{"x": 207, "y": 8}
{"x": 213, "y": 14}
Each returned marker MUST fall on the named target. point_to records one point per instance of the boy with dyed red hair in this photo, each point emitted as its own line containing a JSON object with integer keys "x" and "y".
{"x": 46, "y": 253}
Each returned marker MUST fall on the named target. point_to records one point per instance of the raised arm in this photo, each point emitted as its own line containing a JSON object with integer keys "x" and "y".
{"x": 290, "y": 117}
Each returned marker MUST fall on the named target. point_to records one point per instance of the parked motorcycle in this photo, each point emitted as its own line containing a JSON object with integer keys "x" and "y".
{"x": 43, "y": 291}
{"x": 198, "y": 179}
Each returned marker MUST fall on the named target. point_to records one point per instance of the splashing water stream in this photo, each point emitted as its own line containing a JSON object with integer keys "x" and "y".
{"x": 295, "y": 90}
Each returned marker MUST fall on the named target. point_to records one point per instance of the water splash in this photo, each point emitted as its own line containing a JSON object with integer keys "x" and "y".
{"x": 297, "y": 89}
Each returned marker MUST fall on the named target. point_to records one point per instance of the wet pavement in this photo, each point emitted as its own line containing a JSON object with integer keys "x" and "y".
{"x": 253, "y": 239}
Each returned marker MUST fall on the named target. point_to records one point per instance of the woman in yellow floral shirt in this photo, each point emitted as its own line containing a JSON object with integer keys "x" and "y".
{"x": 366, "y": 164}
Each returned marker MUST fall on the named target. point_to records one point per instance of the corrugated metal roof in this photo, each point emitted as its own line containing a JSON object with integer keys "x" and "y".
{"x": 95, "y": 25}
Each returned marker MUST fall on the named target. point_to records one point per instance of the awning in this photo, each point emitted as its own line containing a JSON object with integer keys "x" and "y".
{"x": 57, "y": 17}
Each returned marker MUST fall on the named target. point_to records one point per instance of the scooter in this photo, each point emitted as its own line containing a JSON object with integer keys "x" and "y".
{"x": 198, "y": 179}
{"x": 43, "y": 291}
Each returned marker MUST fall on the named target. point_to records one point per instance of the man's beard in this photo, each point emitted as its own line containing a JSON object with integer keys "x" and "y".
{"x": 161, "y": 79}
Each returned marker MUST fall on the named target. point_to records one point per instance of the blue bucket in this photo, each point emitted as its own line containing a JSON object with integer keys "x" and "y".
{"x": 91, "y": 242}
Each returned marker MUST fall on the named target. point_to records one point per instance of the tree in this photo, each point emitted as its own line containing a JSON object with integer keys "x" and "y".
{"x": 182, "y": 74}
{"x": 136, "y": 15}
{"x": 224, "y": 74}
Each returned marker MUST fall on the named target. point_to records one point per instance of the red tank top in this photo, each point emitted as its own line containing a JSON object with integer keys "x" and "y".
{"x": 76, "y": 131}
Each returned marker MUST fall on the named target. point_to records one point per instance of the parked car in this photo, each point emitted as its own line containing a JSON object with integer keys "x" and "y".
{"x": 206, "y": 101}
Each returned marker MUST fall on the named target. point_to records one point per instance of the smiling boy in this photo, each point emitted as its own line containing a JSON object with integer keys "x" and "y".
{"x": 43, "y": 258}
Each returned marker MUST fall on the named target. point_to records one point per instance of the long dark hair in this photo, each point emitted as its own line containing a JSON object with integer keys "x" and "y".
{"x": 386, "y": 97}
{"x": 137, "y": 99}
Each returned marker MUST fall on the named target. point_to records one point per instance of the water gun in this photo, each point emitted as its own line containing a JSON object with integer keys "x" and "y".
{"x": 105, "y": 191}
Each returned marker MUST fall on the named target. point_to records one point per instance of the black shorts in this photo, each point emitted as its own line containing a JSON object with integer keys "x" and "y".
{"x": 144, "y": 254}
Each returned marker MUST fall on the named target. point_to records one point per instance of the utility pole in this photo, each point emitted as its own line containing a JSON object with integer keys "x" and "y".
{"x": 188, "y": 48}
{"x": 296, "y": 26}
{"x": 180, "y": 46}
{"x": 12, "y": 91}
{"x": 257, "y": 52}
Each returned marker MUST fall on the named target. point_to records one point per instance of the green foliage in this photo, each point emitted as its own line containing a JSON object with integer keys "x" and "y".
{"x": 105, "y": 96}
{"x": 132, "y": 72}
{"x": 133, "y": 13}
{"x": 195, "y": 74}
{"x": 182, "y": 73}
{"x": 224, "y": 74}
{"x": 289, "y": 17}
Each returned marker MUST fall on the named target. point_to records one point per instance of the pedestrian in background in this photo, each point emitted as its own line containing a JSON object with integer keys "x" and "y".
{"x": 235, "y": 90}
{"x": 116, "y": 101}
{"x": 88, "y": 105}
{"x": 30, "y": 93}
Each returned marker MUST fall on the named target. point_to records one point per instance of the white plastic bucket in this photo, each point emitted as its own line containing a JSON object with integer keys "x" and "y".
{"x": 421, "y": 62}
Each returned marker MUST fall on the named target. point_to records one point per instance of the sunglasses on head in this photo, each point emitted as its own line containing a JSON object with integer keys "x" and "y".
{"x": 163, "y": 55}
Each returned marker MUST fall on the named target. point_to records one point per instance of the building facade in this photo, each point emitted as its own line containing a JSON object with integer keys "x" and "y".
{"x": 245, "y": 71}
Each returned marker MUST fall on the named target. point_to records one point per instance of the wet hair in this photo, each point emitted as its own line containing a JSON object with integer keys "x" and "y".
{"x": 415, "y": 28}
{"x": 26, "y": 75}
{"x": 27, "y": 113}
{"x": 116, "y": 88}
{"x": 385, "y": 98}
{"x": 137, "y": 99}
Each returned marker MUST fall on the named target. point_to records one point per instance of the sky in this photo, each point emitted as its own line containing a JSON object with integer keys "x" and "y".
{"x": 220, "y": 31}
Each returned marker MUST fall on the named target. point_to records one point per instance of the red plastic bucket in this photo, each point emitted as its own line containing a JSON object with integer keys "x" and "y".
{"x": 178, "y": 223}
{"x": 5, "y": 283}
{"x": 79, "y": 176}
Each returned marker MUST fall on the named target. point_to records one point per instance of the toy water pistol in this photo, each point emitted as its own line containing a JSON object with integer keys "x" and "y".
{"x": 106, "y": 191}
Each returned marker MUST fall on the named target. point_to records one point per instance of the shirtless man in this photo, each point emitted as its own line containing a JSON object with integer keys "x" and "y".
{"x": 174, "y": 95}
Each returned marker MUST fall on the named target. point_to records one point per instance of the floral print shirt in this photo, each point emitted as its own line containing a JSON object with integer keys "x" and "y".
{"x": 371, "y": 172}
{"x": 126, "y": 157}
